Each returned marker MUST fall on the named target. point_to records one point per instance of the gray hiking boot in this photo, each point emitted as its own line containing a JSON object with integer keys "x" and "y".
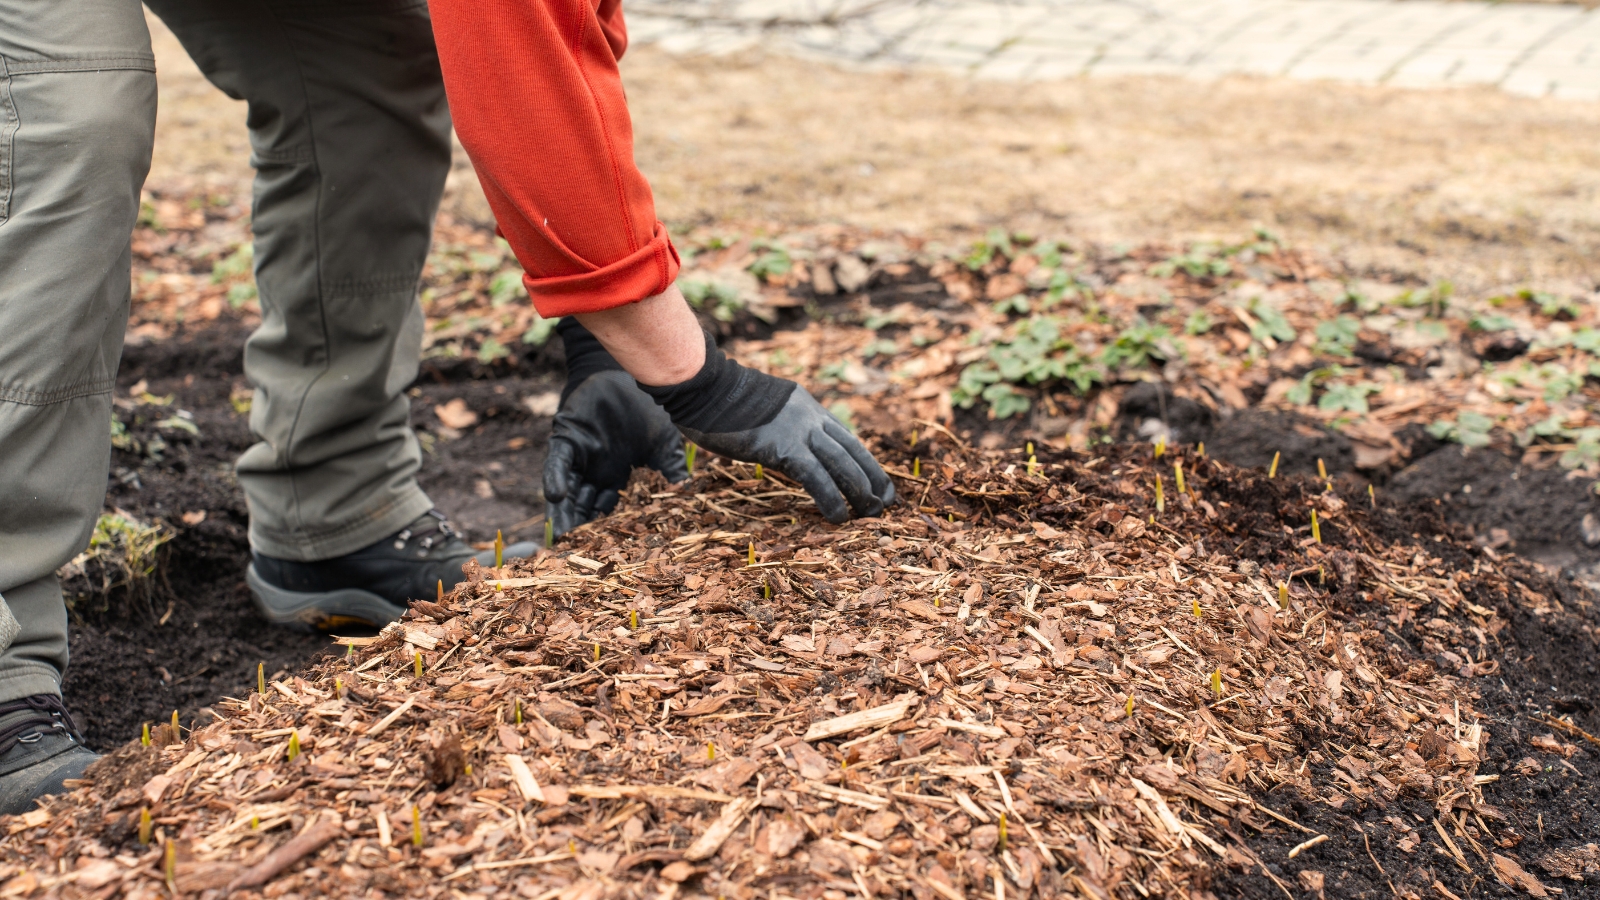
{"x": 372, "y": 586}
{"x": 40, "y": 746}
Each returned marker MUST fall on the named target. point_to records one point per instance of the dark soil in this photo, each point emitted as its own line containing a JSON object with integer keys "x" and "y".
{"x": 1548, "y": 667}
{"x": 197, "y": 637}
{"x": 1537, "y": 512}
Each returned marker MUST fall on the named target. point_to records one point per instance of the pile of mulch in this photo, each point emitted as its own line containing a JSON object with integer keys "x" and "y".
{"x": 1036, "y": 673}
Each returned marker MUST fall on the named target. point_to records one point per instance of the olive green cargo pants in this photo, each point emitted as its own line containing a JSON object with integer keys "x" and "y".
{"x": 350, "y": 140}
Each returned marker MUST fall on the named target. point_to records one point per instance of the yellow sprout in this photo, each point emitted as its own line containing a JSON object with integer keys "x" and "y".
{"x": 144, "y": 738}
{"x": 1161, "y": 447}
{"x": 1322, "y": 575}
{"x": 516, "y": 710}
{"x": 349, "y": 650}
{"x": 261, "y": 678}
{"x": 1201, "y": 450}
{"x": 760, "y": 472}
{"x": 1316, "y": 528}
{"x": 1161, "y": 500}
{"x": 1129, "y": 707}
{"x": 1197, "y": 611}
{"x": 766, "y": 591}
{"x": 1003, "y": 835}
{"x": 1033, "y": 465}
{"x": 913, "y": 441}
{"x": 1177, "y": 477}
{"x": 1030, "y": 448}
{"x": 175, "y": 726}
{"x": 938, "y": 602}
{"x": 688, "y": 455}
{"x": 499, "y": 549}
{"x": 467, "y": 769}
{"x": 171, "y": 866}
{"x": 338, "y": 685}
{"x": 596, "y": 651}
{"x": 145, "y": 826}
{"x": 1283, "y": 595}
{"x": 1216, "y": 682}
{"x": 916, "y": 467}
{"x": 549, "y": 533}
{"x": 633, "y": 619}
{"x": 416, "y": 826}
{"x": 711, "y": 752}
{"x": 1322, "y": 470}
{"x": 1273, "y": 472}
{"x": 416, "y": 662}
{"x": 441, "y": 590}
{"x": 752, "y": 553}
{"x": 255, "y": 822}
{"x": 1372, "y": 497}
{"x": 294, "y": 745}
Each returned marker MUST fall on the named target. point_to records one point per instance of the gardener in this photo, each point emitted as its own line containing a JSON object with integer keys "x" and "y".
{"x": 350, "y": 139}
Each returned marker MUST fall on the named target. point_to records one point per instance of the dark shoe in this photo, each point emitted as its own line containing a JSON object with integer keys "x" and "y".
{"x": 370, "y": 587}
{"x": 40, "y": 747}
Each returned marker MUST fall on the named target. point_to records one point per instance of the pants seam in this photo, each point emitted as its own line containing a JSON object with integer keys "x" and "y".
{"x": 69, "y": 64}
{"x": 26, "y": 671}
{"x": 24, "y": 397}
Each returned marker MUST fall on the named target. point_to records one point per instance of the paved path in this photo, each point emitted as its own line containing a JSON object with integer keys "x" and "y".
{"x": 1525, "y": 48}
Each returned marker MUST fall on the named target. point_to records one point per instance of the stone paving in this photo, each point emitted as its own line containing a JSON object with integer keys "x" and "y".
{"x": 1538, "y": 49}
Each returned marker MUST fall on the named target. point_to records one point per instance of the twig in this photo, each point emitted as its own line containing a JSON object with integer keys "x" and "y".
{"x": 304, "y": 844}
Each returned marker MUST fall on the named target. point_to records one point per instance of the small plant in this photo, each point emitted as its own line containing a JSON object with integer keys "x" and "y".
{"x": 550, "y": 532}
{"x": 1273, "y": 472}
{"x": 772, "y": 260}
{"x": 1270, "y": 323}
{"x": 416, "y": 662}
{"x": 146, "y": 827}
{"x": 416, "y": 826}
{"x": 883, "y": 347}
{"x": 1200, "y": 261}
{"x": 1161, "y": 501}
{"x": 294, "y": 745}
{"x": 506, "y": 287}
{"x": 723, "y": 301}
{"x": 1128, "y": 708}
{"x": 689, "y": 449}
{"x": 539, "y": 332}
{"x": 516, "y": 710}
{"x": 997, "y": 241}
{"x": 1491, "y": 322}
{"x": 1316, "y": 527}
{"x": 1198, "y": 323}
{"x": 144, "y": 737}
{"x": 499, "y": 550}
{"x": 1216, "y": 682}
{"x": 1138, "y": 344}
{"x": 261, "y": 679}
{"x": 1469, "y": 429}
{"x": 1177, "y": 472}
{"x": 1004, "y": 837}
{"x": 1337, "y": 337}
{"x": 1283, "y": 595}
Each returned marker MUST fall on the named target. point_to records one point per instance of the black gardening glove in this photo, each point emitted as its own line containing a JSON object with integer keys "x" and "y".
{"x": 605, "y": 427}
{"x": 751, "y": 416}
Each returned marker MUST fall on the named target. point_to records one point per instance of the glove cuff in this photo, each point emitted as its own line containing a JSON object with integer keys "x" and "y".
{"x": 585, "y": 355}
{"x": 723, "y": 396}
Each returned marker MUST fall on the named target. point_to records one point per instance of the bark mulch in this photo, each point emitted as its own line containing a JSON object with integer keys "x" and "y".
{"x": 1039, "y": 673}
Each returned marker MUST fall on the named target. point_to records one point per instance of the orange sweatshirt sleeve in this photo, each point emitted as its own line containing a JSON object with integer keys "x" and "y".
{"x": 537, "y": 101}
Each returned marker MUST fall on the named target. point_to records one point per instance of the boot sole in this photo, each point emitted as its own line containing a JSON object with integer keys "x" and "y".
{"x": 321, "y": 611}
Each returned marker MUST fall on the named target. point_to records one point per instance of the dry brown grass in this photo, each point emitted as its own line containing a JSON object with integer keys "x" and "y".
{"x": 1474, "y": 186}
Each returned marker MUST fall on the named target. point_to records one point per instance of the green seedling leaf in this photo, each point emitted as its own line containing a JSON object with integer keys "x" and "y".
{"x": 1338, "y": 336}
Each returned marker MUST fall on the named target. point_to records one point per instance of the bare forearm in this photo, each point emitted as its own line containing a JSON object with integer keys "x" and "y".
{"x": 658, "y": 339}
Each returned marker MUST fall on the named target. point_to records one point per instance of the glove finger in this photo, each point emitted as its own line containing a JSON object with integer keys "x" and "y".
{"x": 846, "y": 474}
{"x": 558, "y": 474}
{"x": 882, "y": 487}
{"x": 606, "y": 501}
{"x": 563, "y": 517}
{"x": 584, "y": 501}
{"x": 809, "y": 471}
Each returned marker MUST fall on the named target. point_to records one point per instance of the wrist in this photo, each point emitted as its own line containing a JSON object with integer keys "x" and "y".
{"x": 585, "y": 354}
{"x": 722, "y": 396}
{"x": 657, "y": 340}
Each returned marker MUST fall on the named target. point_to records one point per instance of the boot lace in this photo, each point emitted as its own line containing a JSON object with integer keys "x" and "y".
{"x": 43, "y": 712}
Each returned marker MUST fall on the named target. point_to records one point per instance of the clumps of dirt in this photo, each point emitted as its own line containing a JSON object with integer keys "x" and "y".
{"x": 1030, "y": 677}
{"x": 1543, "y": 513}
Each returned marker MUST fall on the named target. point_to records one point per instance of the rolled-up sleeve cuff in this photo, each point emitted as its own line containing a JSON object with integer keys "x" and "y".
{"x": 644, "y": 273}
